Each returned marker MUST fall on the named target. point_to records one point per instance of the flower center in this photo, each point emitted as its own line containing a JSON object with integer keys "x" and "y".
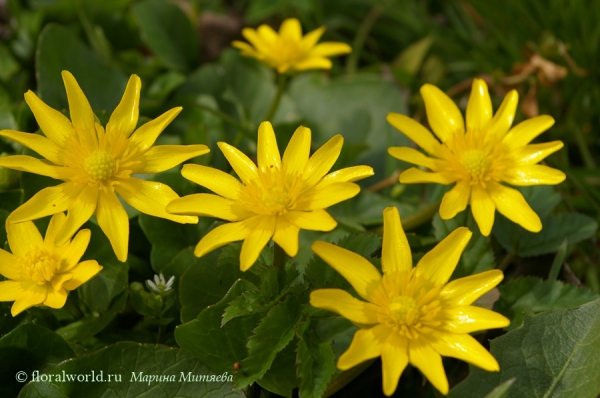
{"x": 274, "y": 193}
{"x": 288, "y": 50}
{"x": 404, "y": 310}
{"x": 40, "y": 266}
{"x": 475, "y": 162}
{"x": 100, "y": 165}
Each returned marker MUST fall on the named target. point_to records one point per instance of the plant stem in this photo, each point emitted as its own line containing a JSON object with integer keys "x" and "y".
{"x": 584, "y": 150}
{"x": 282, "y": 81}
{"x": 361, "y": 36}
{"x": 227, "y": 119}
{"x": 278, "y": 256}
{"x": 506, "y": 261}
{"x": 421, "y": 217}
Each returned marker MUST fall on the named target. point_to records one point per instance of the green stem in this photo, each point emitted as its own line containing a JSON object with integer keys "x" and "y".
{"x": 421, "y": 217}
{"x": 583, "y": 147}
{"x": 282, "y": 81}
{"x": 345, "y": 378}
{"x": 160, "y": 332}
{"x": 506, "y": 261}
{"x": 278, "y": 256}
{"x": 361, "y": 37}
{"x": 227, "y": 119}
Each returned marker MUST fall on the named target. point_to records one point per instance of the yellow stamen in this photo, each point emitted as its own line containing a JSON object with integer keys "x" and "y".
{"x": 99, "y": 165}
{"x": 41, "y": 266}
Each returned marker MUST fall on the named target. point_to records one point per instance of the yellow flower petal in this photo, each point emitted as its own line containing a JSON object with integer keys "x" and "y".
{"x": 329, "y": 195}
{"x": 205, "y": 204}
{"x": 256, "y": 241}
{"x": 348, "y": 174}
{"x": 267, "y": 34}
{"x": 366, "y": 344}
{"x": 416, "y": 132}
{"x": 286, "y": 236}
{"x": 465, "y": 348}
{"x": 395, "y": 251}
{"x": 359, "y": 272}
{"x": 311, "y": 38}
{"x": 443, "y": 115}
{"x": 114, "y": 222}
{"x": 125, "y": 116}
{"x": 10, "y": 290}
{"x": 144, "y": 137}
{"x": 439, "y": 263}
{"x": 267, "y": 150}
{"x": 524, "y": 132}
{"x": 413, "y": 156}
{"x": 8, "y": 266}
{"x": 429, "y": 362}
{"x": 471, "y": 319}
{"x": 297, "y": 152}
{"x": 534, "y": 174}
{"x": 164, "y": 157}
{"x": 322, "y": 160}
{"x": 330, "y": 49}
{"x": 414, "y": 175}
{"x": 42, "y": 145}
{"x": 56, "y": 223}
{"x": 53, "y": 124}
{"x": 341, "y": 302}
{"x": 316, "y": 220}
{"x": 513, "y": 206}
{"x": 56, "y": 298}
{"x": 32, "y": 165}
{"x": 483, "y": 209}
{"x": 246, "y": 49}
{"x": 504, "y": 116}
{"x": 151, "y": 198}
{"x": 82, "y": 273}
{"x": 455, "y": 200}
{"x": 241, "y": 164}
{"x": 32, "y": 294}
{"x": 216, "y": 180}
{"x": 225, "y": 234}
{"x": 46, "y": 202}
{"x": 256, "y": 40}
{"x": 464, "y": 291}
{"x": 291, "y": 29}
{"x": 76, "y": 249}
{"x": 534, "y": 153}
{"x": 82, "y": 116}
{"x": 479, "y": 107}
{"x": 80, "y": 210}
{"x": 312, "y": 63}
{"x": 23, "y": 237}
{"x": 59, "y": 280}
{"x": 394, "y": 358}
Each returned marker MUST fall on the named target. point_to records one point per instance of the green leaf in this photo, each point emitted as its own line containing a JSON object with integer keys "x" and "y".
{"x": 134, "y": 370}
{"x": 274, "y": 332}
{"x": 168, "y": 32}
{"x": 554, "y": 354}
{"x": 316, "y": 364}
{"x": 502, "y": 389}
{"x": 532, "y": 295}
{"x": 8, "y": 64}
{"x": 27, "y": 348}
{"x": 281, "y": 377}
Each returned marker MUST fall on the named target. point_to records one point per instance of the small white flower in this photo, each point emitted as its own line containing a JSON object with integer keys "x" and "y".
{"x": 159, "y": 285}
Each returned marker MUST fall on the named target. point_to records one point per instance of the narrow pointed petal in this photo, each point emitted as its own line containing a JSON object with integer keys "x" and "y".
{"x": 330, "y": 49}
{"x": 479, "y": 108}
{"x": 416, "y": 132}
{"x": 455, "y": 200}
{"x": 224, "y": 234}
{"x": 413, "y": 156}
{"x": 313, "y": 63}
{"x": 56, "y": 126}
{"x": 151, "y": 197}
{"x": 216, "y": 180}
{"x": 534, "y": 153}
{"x": 80, "y": 211}
{"x": 125, "y": 116}
{"x": 513, "y": 206}
{"x": 348, "y": 174}
{"x": 46, "y": 202}
{"x": 395, "y": 251}
{"x": 312, "y": 38}
{"x": 439, "y": 263}
{"x": 505, "y": 115}
{"x": 366, "y": 344}
{"x": 416, "y": 176}
{"x": 267, "y": 34}
{"x": 443, "y": 115}
{"x": 465, "y": 348}
{"x": 146, "y": 135}
{"x": 114, "y": 222}
{"x": 76, "y": 249}
{"x": 81, "y": 112}
{"x": 10, "y": 290}
{"x": 32, "y": 165}
{"x": 40, "y": 144}
{"x": 322, "y": 160}
{"x": 256, "y": 40}
{"x": 23, "y": 237}
{"x": 8, "y": 265}
{"x": 241, "y": 164}
{"x": 394, "y": 358}
{"x": 359, "y": 272}
{"x": 256, "y": 241}
{"x": 316, "y": 220}
{"x": 464, "y": 291}
{"x": 342, "y": 302}
{"x": 533, "y": 174}
{"x": 524, "y": 132}
{"x": 164, "y": 157}
{"x": 32, "y": 295}
{"x": 56, "y": 223}
{"x": 483, "y": 209}
{"x": 297, "y": 152}
{"x": 59, "y": 280}
{"x": 267, "y": 151}
{"x": 429, "y": 362}
{"x": 205, "y": 204}
{"x": 82, "y": 273}
{"x": 286, "y": 236}
{"x": 246, "y": 49}
{"x": 329, "y": 195}
{"x": 291, "y": 29}
{"x": 56, "y": 298}
{"x": 471, "y": 319}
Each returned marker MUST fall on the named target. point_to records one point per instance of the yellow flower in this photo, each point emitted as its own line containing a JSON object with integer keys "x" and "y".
{"x": 411, "y": 314}
{"x": 94, "y": 164}
{"x": 38, "y": 271}
{"x": 275, "y": 199}
{"x": 289, "y": 51}
{"x": 479, "y": 159}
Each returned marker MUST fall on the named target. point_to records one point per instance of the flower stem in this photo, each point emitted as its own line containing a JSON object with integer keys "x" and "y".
{"x": 227, "y": 119}
{"x": 278, "y": 256}
{"x": 506, "y": 261}
{"x": 361, "y": 36}
{"x": 282, "y": 81}
{"x": 421, "y": 217}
